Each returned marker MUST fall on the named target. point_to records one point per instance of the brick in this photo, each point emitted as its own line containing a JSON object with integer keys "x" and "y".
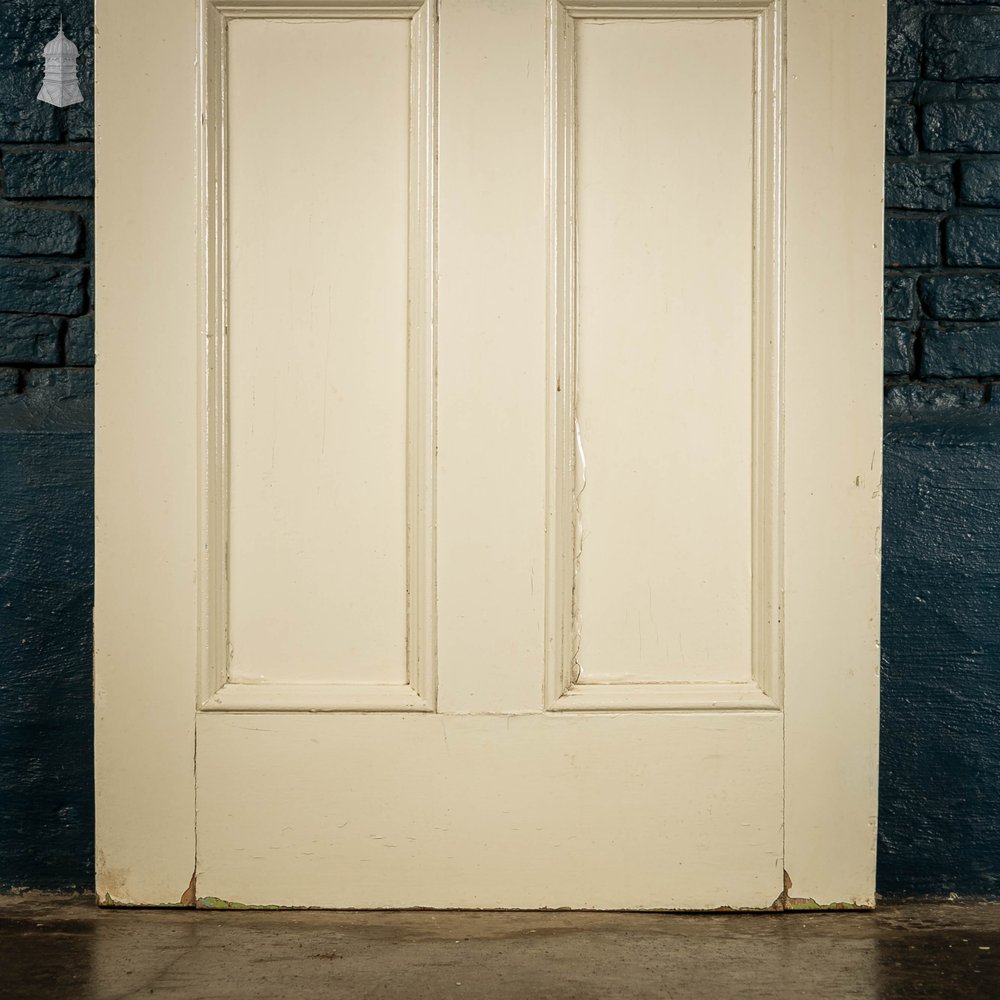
{"x": 25, "y": 26}
{"x": 28, "y": 232}
{"x": 964, "y": 352}
{"x": 905, "y": 34}
{"x": 48, "y": 173}
{"x": 911, "y": 242}
{"x": 58, "y": 399}
{"x": 897, "y": 345}
{"x": 918, "y": 185}
{"x": 916, "y": 398}
{"x": 80, "y": 117}
{"x": 963, "y": 46}
{"x": 89, "y": 230}
{"x": 80, "y": 341}
{"x": 979, "y": 182}
{"x": 961, "y": 127}
{"x": 977, "y": 91}
{"x": 972, "y": 240}
{"x": 52, "y": 385}
{"x": 42, "y": 288}
{"x": 29, "y": 340}
{"x": 900, "y": 130}
{"x": 20, "y": 123}
{"x": 933, "y": 90}
{"x": 961, "y": 296}
{"x": 899, "y": 91}
{"x": 10, "y": 379}
{"x": 898, "y": 297}
{"x": 22, "y": 117}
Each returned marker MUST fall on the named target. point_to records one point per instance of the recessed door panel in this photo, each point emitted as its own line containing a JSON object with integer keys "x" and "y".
{"x": 317, "y": 119}
{"x": 665, "y": 493}
{"x": 664, "y": 349}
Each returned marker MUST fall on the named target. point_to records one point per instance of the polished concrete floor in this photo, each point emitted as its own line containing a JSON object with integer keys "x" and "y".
{"x": 56, "y": 948}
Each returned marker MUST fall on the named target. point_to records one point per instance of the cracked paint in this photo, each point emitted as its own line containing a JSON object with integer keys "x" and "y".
{"x": 579, "y": 485}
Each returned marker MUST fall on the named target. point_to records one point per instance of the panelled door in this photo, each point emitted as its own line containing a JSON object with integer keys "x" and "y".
{"x": 488, "y": 452}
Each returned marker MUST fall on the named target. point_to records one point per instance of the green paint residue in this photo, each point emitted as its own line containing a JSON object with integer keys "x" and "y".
{"x": 810, "y": 904}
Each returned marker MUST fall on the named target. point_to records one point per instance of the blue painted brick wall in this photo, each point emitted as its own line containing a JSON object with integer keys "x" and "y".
{"x": 939, "y": 810}
{"x": 943, "y": 201}
{"x": 46, "y": 456}
{"x": 46, "y": 212}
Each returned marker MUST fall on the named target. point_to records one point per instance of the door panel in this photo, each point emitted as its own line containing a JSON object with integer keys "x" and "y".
{"x": 464, "y": 502}
{"x": 512, "y": 811}
{"x": 317, "y": 350}
{"x": 665, "y": 494}
{"x": 664, "y": 348}
{"x": 318, "y": 452}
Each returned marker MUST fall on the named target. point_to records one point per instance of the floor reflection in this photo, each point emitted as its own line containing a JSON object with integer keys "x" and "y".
{"x": 70, "y": 949}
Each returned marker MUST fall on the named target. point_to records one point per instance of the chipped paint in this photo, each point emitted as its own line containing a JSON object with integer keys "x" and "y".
{"x": 189, "y": 896}
{"x": 214, "y": 903}
{"x": 116, "y": 895}
{"x": 787, "y": 902}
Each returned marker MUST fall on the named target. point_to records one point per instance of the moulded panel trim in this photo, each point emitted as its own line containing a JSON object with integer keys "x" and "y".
{"x": 216, "y": 693}
{"x": 562, "y": 692}
{"x": 234, "y": 697}
{"x": 666, "y": 10}
{"x": 325, "y": 10}
{"x": 681, "y": 696}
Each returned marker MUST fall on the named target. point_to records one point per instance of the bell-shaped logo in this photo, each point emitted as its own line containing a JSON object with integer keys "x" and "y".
{"x": 60, "y": 86}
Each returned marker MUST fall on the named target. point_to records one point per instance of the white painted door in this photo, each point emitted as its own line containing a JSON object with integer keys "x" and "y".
{"x": 488, "y": 452}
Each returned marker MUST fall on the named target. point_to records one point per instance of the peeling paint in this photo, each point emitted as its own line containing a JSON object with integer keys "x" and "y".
{"x": 189, "y": 895}
{"x": 214, "y": 903}
{"x": 117, "y": 880}
{"x": 113, "y": 879}
{"x": 787, "y": 902}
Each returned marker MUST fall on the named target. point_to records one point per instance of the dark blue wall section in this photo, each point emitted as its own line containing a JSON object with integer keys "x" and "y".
{"x": 46, "y": 457}
{"x": 939, "y": 822}
{"x": 46, "y": 591}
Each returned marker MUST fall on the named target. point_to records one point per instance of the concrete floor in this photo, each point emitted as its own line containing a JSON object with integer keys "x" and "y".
{"x": 57, "y": 948}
